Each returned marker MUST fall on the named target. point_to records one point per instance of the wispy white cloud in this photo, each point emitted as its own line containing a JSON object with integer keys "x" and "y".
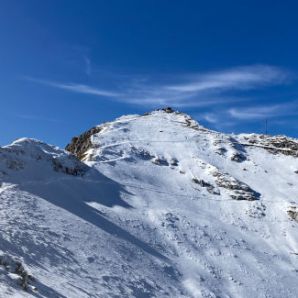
{"x": 201, "y": 89}
{"x": 249, "y": 77}
{"x": 247, "y": 113}
{"x": 210, "y": 117}
{"x": 228, "y": 119}
{"x": 261, "y": 112}
{"x": 78, "y": 88}
{"x": 85, "y": 89}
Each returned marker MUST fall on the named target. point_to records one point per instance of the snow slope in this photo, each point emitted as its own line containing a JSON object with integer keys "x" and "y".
{"x": 158, "y": 206}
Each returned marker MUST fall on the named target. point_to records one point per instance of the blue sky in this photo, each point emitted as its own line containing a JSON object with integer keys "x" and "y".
{"x": 68, "y": 65}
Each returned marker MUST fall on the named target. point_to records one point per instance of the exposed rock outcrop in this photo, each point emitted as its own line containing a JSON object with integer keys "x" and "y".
{"x": 293, "y": 213}
{"x": 168, "y": 110}
{"x": 274, "y": 144}
{"x": 210, "y": 188}
{"x": 79, "y": 145}
{"x": 16, "y": 267}
{"x": 239, "y": 190}
{"x": 238, "y": 157}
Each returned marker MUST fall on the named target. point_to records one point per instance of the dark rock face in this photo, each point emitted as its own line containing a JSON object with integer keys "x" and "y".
{"x": 240, "y": 154}
{"x": 141, "y": 153}
{"x": 11, "y": 265}
{"x": 80, "y": 144}
{"x": 168, "y": 110}
{"x": 174, "y": 162}
{"x": 221, "y": 151}
{"x": 284, "y": 145}
{"x": 238, "y": 189}
{"x": 293, "y": 213}
{"x": 210, "y": 188}
{"x": 238, "y": 157}
{"x": 275, "y": 145}
{"x": 160, "y": 161}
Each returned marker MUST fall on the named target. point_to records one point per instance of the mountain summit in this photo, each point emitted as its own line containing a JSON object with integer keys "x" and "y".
{"x": 150, "y": 206}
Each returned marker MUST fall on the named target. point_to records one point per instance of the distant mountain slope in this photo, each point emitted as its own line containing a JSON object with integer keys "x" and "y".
{"x": 153, "y": 206}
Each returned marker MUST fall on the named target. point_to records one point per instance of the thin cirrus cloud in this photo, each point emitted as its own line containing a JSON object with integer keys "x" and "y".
{"x": 260, "y": 112}
{"x": 202, "y": 89}
{"x": 231, "y": 116}
{"x": 249, "y": 77}
{"x": 210, "y": 117}
{"x": 77, "y": 88}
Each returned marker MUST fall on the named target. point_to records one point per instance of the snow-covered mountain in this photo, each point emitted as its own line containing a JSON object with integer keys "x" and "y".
{"x": 150, "y": 206}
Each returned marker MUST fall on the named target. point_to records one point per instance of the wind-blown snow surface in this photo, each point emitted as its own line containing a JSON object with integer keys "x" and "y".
{"x": 159, "y": 207}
